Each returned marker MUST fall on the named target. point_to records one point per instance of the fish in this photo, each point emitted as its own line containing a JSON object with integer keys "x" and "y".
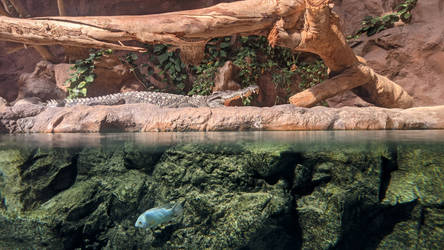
{"x": 158, "y": 215}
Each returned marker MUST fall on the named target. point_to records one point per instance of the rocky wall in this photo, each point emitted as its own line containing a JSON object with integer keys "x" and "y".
{"x": 235, "y": 196}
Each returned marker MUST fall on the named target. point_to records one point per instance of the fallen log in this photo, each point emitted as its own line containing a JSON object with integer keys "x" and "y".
{"x": 21, "y": 11}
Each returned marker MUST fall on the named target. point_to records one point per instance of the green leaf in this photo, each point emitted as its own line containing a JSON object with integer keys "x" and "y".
{"x": 163, "y": 58}
{"x": 158, "y": 48}
{"x": 89, "y": 78}
{"x": 134, "y": 57}
{"x": 83, "y": 91}
{"x": 181, "y": 86}
{"x": 177, "y": 66}
{"x": 224, "y": 45}
{"x": 168, "y": 66}
{"x": 82, "y": 69}
{"x": 244, "y": 39}
{"x": 406, "y": 16}
{"x": 81, "y": 85}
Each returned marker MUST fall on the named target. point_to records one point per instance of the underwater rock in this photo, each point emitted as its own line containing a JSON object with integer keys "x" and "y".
{"x": 31, "y": 178}
{"x": 235, "y": 196}
{"x": 417, "y": 184}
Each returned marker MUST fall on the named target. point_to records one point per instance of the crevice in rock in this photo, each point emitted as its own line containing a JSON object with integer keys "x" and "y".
{"x": 282, "y": 232}
{"x": 65, "y": 178}
{"x": 367, "y": 231}
{"x": 30, "y": 161}
{"x": 43, "y": 178}
{"x": 388, "y": 165}
{"x": 282, "y": 168}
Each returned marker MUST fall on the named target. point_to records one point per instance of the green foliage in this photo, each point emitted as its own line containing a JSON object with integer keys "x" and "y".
{"x": 171, "y": 66}
{"x": 246, "y": 101}
{"x": 83, "y": 75}
{"x": 404, "y": 10}
{"x": 255, "y": 57}
{"x": 204, "y": 80}
{"x": 311, "y": 74}
{"x": 372, "y": 25}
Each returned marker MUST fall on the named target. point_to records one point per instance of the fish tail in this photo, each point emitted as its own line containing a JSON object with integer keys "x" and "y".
{"x": 178, "y": 209}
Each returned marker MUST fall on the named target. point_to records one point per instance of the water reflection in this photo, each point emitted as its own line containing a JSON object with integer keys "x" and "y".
{"x": 170, "y": 138}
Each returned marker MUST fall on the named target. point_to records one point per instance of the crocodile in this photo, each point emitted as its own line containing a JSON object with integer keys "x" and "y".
{"x": 217, "y": 99}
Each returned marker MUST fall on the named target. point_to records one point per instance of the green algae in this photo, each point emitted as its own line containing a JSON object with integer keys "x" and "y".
{"x": 236, "y": 196}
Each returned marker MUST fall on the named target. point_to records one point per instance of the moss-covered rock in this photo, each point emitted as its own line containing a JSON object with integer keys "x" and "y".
{"x": 418, "y": 181}
{"x": 235, "y": 196}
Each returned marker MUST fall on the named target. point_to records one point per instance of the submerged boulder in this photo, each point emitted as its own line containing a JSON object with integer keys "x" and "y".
{"x": 235, "y": 196}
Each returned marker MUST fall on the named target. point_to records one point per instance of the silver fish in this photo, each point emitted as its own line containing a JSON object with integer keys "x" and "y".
{"x": 158, "y": 215}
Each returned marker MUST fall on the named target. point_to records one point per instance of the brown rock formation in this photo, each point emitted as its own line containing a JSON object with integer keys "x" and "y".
{"x": 40, "y": 83}
{"x": 190, "y": 30}
{"x": 111, "y": 77}
{"x": 29, "y": 118}
{"x": 225, "y": 78}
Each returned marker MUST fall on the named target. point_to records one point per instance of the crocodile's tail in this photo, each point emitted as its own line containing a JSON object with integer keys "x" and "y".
{"x": 55, "y": 103}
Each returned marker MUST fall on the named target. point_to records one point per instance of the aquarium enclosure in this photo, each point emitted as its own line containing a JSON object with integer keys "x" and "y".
{"x": 237, "y": 190}
{"x": 222, "y": 124}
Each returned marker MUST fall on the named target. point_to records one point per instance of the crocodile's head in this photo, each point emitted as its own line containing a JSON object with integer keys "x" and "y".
{"x": 223, "y": 98}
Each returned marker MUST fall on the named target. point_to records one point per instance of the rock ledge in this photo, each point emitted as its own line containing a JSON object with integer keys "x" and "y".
{"x": 31, "y": 118}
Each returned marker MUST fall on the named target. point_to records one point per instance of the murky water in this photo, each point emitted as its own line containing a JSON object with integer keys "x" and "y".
{"x": 239, "y": 190}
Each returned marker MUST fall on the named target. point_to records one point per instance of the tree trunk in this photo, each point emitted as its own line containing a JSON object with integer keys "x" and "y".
{"x": 308, "y": 25}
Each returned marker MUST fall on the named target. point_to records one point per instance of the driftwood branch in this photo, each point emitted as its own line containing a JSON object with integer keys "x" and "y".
{"x": 322, "y": 35}
{"x": 21, "y": 11}
{"x": 308, "y": 25}
{"x": 184, "y": 28}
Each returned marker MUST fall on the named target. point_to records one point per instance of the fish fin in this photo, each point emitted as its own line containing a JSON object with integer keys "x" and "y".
{"x": 178, "y": 208}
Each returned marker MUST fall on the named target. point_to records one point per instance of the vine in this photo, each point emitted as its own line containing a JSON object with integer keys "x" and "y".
{"x": 83, "y": 75}
{"x": 372, "y": 25}
{"x": 172, "y": 68}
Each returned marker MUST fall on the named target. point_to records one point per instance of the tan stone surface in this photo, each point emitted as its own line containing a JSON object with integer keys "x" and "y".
{"x": 147, "y": 117}
{"x": 411, "y": 55}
